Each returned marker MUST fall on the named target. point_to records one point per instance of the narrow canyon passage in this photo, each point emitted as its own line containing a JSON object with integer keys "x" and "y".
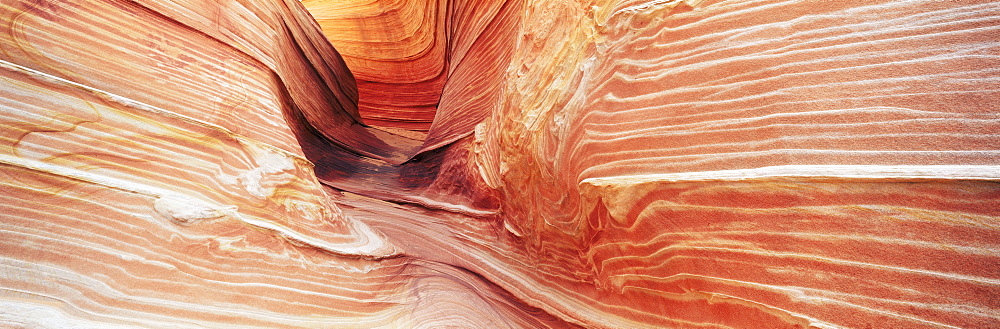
{"x": 499, "y": 164}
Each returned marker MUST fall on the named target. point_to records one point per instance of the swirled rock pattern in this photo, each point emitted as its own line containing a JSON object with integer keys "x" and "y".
{"x": 504, "y": 164}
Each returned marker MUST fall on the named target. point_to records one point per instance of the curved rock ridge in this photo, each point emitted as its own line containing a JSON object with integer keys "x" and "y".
{"x": 504, "y": 164}
{"x": 422, "y": 65}
{"x": 397, "y": 52}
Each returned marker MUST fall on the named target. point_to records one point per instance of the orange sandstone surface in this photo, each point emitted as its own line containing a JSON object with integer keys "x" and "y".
{"x": 499, "y": 164}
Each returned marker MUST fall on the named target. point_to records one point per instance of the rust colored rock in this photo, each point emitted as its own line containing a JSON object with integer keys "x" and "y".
{"x": 499, "y": 164}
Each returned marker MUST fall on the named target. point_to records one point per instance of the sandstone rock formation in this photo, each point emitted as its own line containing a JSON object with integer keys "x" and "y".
{"x": 499, "y": 164}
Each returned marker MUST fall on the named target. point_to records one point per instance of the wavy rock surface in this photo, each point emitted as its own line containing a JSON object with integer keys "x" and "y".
{"x": 523, "y": 163}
